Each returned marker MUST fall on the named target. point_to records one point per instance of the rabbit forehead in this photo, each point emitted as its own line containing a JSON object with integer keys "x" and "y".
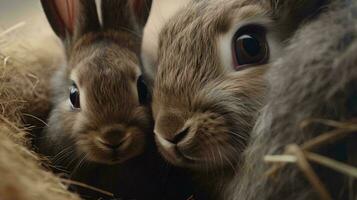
{"x": 160, "y": 14}
{"x": 83, "y": 46}
{"x": 188, "y": 51}
{"x": 208, "y": 19}
{"x": 105, "y": 58}
{"x": 107, "y": 77}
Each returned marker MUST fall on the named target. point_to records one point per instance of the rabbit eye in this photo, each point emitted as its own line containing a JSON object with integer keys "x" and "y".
{"x": 74, "y": 96}
{"x": 250, "y": 47}
{"x": 142, "y": 90}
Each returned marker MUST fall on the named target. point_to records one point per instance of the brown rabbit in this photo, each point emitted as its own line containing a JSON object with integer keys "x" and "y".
{"x": 99, "y": 93}
{"x": 100, "y": 128}
{"x": 209, "y": 83}
{"x": 317, "y": 78}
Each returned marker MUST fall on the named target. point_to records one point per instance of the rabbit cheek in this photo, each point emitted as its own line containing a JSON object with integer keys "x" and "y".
{"x": 207, "y": 138}
{"x": 167, "y": 150}
{"x": 66, "y": 119}
{"x": 208, "y": 141}
{"x": 91, "y": 151}
{"x": 94, "y": 150}
{"x": 134, "y": 143}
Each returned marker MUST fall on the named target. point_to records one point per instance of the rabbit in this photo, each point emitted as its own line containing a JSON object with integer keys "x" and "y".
{"x": 100, "y": 127}
{"x": 99, "y": 94}
{"x": 315, "y": 79}
{"x": 209, "y": 84}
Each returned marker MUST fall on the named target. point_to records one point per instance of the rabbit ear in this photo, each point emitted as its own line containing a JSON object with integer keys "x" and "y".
{"x": 87, "y": 18}
{"x": 71, "y": 18}
{"x": 130, "y": 14}
{"x": 141, "y": 11}
{"x": 60, "y": 14}
{"x": 292, "y": 13}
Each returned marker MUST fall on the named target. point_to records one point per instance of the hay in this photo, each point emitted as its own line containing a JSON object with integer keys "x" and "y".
{"x": 25, "y": 68}
{"x": 302, "y": 155}
{"x": 22, "y": 176}
{"x": 26, "y": 64}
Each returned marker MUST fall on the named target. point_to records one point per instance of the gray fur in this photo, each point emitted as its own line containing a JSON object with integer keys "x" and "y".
{"x": 317, "y": 78}
{"x": 194, "y": 92}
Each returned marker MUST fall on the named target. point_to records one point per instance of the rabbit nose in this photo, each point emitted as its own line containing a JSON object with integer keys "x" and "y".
{"x": 179, "y": 136}
{"x": 169, "y": 125}
{"x": 109, "y": 145}
{"x": 112, "y": 137}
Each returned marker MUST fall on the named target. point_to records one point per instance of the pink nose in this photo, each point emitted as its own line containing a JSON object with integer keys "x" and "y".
{"x": 178, "y": 136}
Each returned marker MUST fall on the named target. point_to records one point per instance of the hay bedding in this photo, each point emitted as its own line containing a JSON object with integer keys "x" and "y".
{"x": 27, "y": 63}
{"x": 24, "y": 72}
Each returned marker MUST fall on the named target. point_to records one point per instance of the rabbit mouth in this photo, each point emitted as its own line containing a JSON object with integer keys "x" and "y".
{"x": 106, "y": 155}
{"x": 176, "y": 156}
{"x": 100, "y": 148}
{"x": 180, "y": 155}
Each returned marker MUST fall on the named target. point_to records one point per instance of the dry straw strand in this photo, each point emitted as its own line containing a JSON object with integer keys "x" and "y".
{"x": 333, "y": 164}
{"x": 306, "y": 168}
{"x": 301, "y": 156}
{"x": 345, "y": 129}
{"x": 83, "y": 185}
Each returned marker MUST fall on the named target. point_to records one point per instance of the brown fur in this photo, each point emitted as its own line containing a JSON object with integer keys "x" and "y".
{"x": 195, "y": 93}
{"x": 103, "y": 63}
{"x": 105, "y": 66}
{"x": 106, "y": 73}
{"x": 194, "y": 90}
{"x": 129, "y": 16}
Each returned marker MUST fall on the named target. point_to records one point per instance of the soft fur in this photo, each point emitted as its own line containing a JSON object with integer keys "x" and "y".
{"x": 317, "y": 78}
{"x": 197, "y": 95}
{"x": 102, "y": 60}
{"x": 194, "y": 93}
{"x": 106, "y": 73}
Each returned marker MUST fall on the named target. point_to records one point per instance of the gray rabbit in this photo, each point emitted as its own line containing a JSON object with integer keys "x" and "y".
{"x": 316, "y": 78}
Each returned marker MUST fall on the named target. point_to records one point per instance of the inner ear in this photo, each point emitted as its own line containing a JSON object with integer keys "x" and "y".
{"x": 61, "y": 15}
{"x": 71, "y": 18}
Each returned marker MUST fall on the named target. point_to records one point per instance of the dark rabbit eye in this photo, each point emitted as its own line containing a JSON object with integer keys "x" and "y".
{"x": 74, "y": 96}
{"x": 250, "y": 47}
{"x": 142, "y": 90}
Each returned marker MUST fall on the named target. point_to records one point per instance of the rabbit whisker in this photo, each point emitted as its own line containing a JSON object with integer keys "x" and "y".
{"x": 58, "y": 157}
{"x": 82, "y": 160}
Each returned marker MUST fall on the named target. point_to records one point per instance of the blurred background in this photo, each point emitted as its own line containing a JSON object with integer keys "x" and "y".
{"x": 17, "y": 11}
{"x": 26, "y": 16}
{"x": 23, "y": 25}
